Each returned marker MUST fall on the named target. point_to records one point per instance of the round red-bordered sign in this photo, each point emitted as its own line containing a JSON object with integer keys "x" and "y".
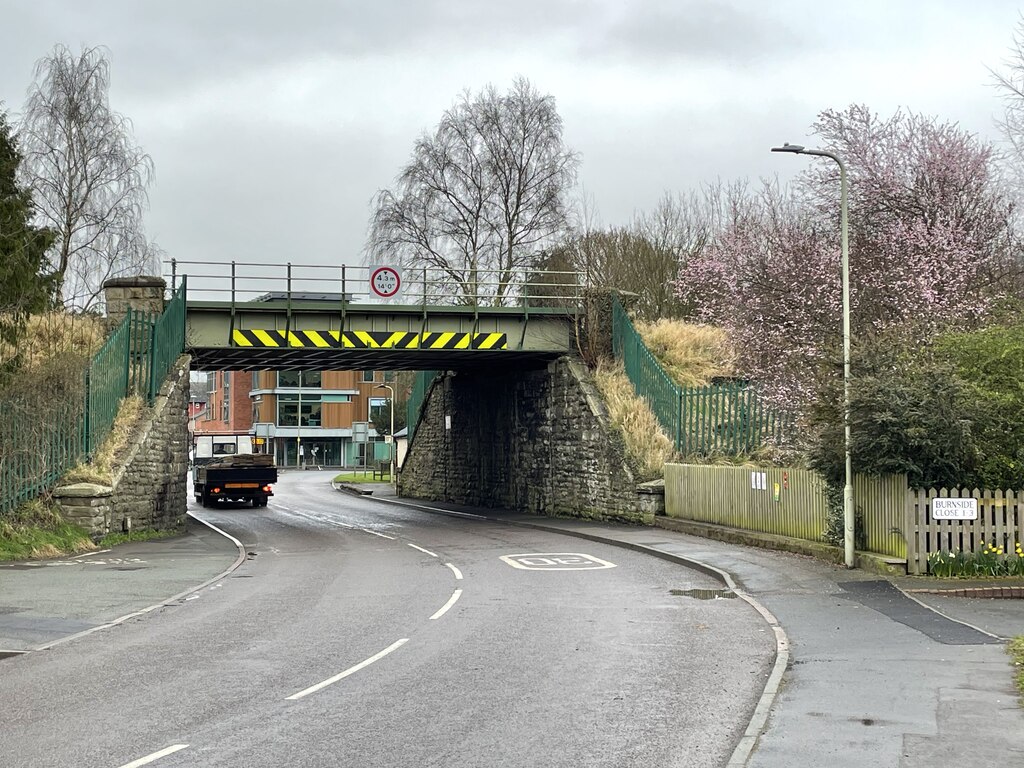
{"x": 385, "y": 282}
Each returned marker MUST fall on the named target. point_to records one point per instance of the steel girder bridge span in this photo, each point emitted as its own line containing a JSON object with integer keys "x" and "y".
{"x": 248, "y": 316}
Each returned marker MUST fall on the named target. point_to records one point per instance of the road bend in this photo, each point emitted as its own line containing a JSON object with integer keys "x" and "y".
{"x": 359, "y": 633}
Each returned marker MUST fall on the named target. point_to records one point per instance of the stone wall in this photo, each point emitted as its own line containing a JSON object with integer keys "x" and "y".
{"x": 536, "y": 441}
{"x": 142, "y": 294}
{"x": 148, "y": 490}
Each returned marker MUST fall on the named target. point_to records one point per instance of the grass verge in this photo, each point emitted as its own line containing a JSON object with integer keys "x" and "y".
{"x": 358, "y": 477}
{"x": 36, "y": 530}
{"x": 1016, "y": 651}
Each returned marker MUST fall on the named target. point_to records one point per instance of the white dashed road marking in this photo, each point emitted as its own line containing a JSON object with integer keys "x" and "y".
{"x": 451, "y": 601}
{"x": 421, "y": 549}
{"x": 351, "y": 670}
{"x": 155, "y": 756}
{"x": 456, "y": 571}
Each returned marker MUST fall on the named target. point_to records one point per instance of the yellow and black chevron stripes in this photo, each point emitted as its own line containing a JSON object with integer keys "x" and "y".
{"x": 369, "y": 339}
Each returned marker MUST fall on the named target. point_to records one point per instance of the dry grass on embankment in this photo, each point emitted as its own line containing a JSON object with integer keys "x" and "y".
{"x": 691, "y": 354}
{"x": 647, "y": 447}
{"x": 50, "y": 361}
{"x": 53, "y": 334}
{"x": 109, "y": 455}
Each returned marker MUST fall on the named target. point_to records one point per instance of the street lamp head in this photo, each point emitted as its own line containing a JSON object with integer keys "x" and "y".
{"x": 787, "y": 147}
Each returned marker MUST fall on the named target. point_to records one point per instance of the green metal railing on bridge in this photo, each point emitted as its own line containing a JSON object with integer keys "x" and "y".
{"x": 726, "y": 418}
{"x": 240, "y": 282}
{"x": 44, "y": 434}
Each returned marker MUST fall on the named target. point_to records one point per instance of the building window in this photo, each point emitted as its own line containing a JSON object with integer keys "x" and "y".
{"x": 298, "y": 410}
{"x": 307, "y": 379}
{"x": 226, "y": 405}
{"x": 369, "y": 376}
{"x": 378, "y": 406}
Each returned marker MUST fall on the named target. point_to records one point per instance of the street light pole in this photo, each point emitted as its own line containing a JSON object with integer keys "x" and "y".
{"x": 394, "y": 445}
{"x": 844, "y": 245}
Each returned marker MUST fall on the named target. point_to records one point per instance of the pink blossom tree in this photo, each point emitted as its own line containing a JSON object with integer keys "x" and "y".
{"x": 930, "y": 245}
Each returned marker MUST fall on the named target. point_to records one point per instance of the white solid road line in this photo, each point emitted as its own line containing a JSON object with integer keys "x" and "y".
{"x": 456, "y": 571}
{"x": 421, "y": 549}
{"x": 155, "y": 756}
{"x": 451, "y": 601}
{"x": 351, "y": 670}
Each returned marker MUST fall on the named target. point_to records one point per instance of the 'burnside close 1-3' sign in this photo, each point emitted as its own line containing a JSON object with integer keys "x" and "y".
{"x": 954, "y": 509}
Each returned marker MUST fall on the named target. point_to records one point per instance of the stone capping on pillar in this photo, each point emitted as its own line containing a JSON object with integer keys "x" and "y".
{"x": 143, "y": 293}
{"x": 87, "y": 505}
{"x": 651, "y": 499}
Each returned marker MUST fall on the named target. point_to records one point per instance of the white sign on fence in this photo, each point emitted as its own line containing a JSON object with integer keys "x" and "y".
{"x": 954, "y": 509}
{"x": 759, "y": 481}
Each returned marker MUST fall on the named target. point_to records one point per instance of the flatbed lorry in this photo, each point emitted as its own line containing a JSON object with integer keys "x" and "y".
{"x": 246, "y": 478}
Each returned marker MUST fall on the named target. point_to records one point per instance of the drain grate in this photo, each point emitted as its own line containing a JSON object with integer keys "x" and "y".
{"x": 704, "y": 594}
{"x": 5, "y": 609}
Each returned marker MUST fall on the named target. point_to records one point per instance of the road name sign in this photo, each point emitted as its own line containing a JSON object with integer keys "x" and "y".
{"x": 556, "y": 561}
{"x": 954, "y": 509}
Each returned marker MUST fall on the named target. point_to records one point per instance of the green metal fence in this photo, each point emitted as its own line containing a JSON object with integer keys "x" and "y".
{"x": 167, "y": 340}
{"x": 724, "y": 418}
{"x": 43, "y": 435}
{"x": 420, "y": 388}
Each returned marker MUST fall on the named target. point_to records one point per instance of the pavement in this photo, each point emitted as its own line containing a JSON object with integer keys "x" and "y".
{"x": 44, "y": 602}
{"x": 871, "y": 670}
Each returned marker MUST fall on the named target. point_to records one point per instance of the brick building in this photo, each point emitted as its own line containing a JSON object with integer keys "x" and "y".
{"x": 301, "y": 417}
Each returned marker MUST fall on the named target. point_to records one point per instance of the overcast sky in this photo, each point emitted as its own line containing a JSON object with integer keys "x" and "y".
{"x": 272, "y": 125}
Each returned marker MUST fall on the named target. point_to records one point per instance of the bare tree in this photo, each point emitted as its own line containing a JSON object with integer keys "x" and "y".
{"x": 88, "y": 178}
{"x": 645, "y": 258}
{"x": 482, "y": 196}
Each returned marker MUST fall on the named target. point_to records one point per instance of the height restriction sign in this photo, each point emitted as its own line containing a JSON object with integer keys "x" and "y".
{"x": 385, "y": 282}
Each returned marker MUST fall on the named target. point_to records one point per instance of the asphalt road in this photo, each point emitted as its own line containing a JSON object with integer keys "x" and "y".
{"x": 365, "y": 634}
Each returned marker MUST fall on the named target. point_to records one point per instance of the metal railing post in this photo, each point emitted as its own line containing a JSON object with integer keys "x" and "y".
{"x": 344, "y": 297}
{"x": 152, "y": 362}
{"x": 231, "y": 328}
{"x": 288, "y": 310}
{"x": 86, "y": 418}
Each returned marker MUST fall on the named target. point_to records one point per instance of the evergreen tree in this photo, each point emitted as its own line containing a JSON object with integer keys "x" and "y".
{"x": 24, "y": 285}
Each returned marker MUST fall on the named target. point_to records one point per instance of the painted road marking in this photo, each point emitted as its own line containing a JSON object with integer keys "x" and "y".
{"x": 456, "y": 571}
{"x": 155, "y": 756}
{"x": 376, "y": 533}
{"x": 451, "y": 601}
{"x": 87, "y": 554}
{"x": 351, "y": 670}
{"x": 421, "y": 549}
{"x": 556, "y": 561}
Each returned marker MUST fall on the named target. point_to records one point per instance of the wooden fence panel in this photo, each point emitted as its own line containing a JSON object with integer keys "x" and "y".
{"x": 787, "y": 502}
{"x": 784, "y": 501}
{"x": 1000, "y": 523}
{"x": 880, "y": 500}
